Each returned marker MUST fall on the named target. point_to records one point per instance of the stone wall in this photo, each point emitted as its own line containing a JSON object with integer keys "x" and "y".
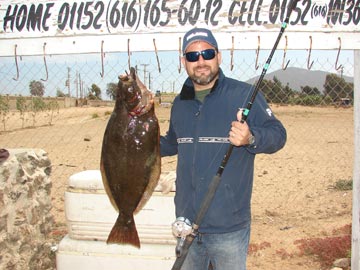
{"x": 25, "y": 204}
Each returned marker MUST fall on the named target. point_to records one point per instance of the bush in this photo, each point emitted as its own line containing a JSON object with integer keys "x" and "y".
{"x": 254, "y": 248}
{"x": 328, "y": 249}
{"x": 343, "y": 185}
{"x": 4, "y": 110}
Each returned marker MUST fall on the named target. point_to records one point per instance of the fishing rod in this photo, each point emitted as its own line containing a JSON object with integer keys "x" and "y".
{"x": 183, "y": 228}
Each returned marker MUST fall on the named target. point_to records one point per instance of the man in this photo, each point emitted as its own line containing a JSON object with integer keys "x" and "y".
{"x": 204, "y": 120}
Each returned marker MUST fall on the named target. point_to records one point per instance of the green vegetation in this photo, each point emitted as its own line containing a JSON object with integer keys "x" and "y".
{"x": 37, "y": 105}
{"x": 37, "y": 88}
{"x": 4, "y": 110}
{"x": 343, "y": 184}
{"x": 21, "y": 107}
{"x": 111, "y": 89}
{"x": 52, "y": 107}
{"x": 335, "y": 88}
{"x": 94, "y": 92}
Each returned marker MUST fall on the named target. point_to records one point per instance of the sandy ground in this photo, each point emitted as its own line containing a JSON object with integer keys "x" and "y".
{"x": 293, "y": 198}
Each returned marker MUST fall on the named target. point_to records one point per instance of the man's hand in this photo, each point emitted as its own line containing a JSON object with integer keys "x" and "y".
{"x": 240, "y": 132}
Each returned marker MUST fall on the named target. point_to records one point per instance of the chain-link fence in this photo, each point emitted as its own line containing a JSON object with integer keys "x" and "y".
{"x": 303, "y": 191}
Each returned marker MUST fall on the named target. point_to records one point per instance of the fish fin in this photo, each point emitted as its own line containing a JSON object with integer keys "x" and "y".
{"x": 124, "y": 232}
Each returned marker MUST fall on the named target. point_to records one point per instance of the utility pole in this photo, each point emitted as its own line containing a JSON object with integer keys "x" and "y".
{"x": 68, "y": 82}
{"x": 81, "y": 87}
{"x": 342, "y": 71}
{"x": 77, "y": 84}
{"x": 145, "y": 65}
{"x": 149, "y": 81}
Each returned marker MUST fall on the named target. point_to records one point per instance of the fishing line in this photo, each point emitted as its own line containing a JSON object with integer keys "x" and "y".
{"x": 216, "y": 179}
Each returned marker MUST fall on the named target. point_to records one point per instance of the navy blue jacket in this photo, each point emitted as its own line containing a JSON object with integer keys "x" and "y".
{"x": 198, "y": 133}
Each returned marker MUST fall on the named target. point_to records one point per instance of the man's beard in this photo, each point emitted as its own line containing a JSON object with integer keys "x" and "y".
{"x": 201, "y": 80}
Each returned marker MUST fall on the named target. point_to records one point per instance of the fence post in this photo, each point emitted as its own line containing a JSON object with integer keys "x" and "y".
{"x": 355, "y": 250}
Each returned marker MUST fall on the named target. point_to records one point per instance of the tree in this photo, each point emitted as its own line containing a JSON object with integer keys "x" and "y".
{"x": 4, "y": 110}
{"x": 310, "y": 90}
{"x": 21, "y": 107}
{"x": 275, "y": 92}
{"x": 37, "y": 88}
{"x": 52, "y": 107}
{"x": 336, "y": 87}
{"x": 60, "y": 93}
{"x": 111, "y": 90}
{"x": 94, "y": 92}
{"x": 37, "y": 105}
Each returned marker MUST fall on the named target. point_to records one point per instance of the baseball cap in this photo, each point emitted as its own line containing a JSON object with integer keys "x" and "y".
{"x": 199, "y": 34}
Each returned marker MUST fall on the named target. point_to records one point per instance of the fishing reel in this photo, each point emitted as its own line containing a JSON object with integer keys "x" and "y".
{"x": 181, "y": 228}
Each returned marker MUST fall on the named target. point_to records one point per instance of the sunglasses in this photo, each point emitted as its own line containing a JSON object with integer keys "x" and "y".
{"x": 206, "y": 55}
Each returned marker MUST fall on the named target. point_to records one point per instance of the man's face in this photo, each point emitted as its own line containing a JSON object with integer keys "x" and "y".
{"x": 202, "y": 72}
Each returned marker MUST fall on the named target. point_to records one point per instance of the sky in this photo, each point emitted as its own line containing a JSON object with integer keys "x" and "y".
{"x": 88, "y": 67}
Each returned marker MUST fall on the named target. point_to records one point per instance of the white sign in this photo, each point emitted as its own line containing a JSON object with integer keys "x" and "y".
{"x": 167, "y": 20}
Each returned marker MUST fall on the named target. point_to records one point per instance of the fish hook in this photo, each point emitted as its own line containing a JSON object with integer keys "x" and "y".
{"x": 46, "y": 69}
{"x": 128, "y": 47}
{"x": 102, "y": 59}
{"x": 337, "y": 57}
{"x": 157, "y": 57}
{"x": 16, "y": 64}
{"x": 287, "y": 63}
{"x": 232, "y": 54}
{"x": 179, "y": 69}
{"x": 257, "y": 54}
{"x": 308, "y": 60}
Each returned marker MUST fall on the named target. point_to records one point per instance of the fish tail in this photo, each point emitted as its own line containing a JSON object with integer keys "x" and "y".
{"x": 124, "y": 232}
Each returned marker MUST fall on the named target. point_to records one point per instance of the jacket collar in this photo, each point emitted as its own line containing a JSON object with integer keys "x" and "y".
{"x": 188, "y": 91}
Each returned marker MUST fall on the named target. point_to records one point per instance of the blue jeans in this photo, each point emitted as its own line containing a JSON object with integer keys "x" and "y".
{"x": 227, "y": 251}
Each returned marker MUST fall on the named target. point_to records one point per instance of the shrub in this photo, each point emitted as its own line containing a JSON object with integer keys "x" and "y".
{"x": 328, "y": 249}
{"x": 4, "y": 110}
{"x": 343, "y": 184}
{"x": 21, "y": 107}
{"x": 254, "y": 248}
{"x": 37, "y": 105}
{"x": 52, "y": 107}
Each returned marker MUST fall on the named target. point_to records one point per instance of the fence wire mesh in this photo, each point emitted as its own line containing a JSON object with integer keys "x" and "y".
{"x": 300, "y": 192}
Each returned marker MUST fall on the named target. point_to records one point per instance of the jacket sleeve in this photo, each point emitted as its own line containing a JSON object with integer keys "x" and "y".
{"x": 269, "y": 132}
{"x": 168, "y": 143}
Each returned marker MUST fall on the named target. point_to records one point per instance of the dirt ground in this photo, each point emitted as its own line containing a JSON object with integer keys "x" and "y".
{"x": 293, "y": 198}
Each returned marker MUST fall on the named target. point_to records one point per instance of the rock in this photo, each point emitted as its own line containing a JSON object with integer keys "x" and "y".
{"x": 4, "y": 154}
{"x": 25, "y": 205}
{"x": 342, "y": 263}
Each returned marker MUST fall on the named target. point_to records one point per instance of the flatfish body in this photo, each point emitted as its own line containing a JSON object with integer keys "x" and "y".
{"x": 130, "y": 157}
